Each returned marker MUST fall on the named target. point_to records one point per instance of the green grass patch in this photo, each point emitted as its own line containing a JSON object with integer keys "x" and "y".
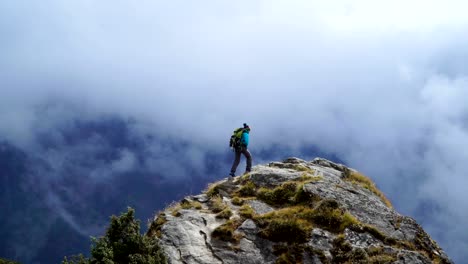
{"x": 329, "y": 216}
{"x": 300, "y": 167}
{"x": 341, "y": 249}
{"x": 247, "y": 190}
{"x": 289, "y": 193}
{"x": 280, "y": 195}
{"x": 303, "y": 197}
{"x": 293, "y": 224}
{"x": 288, "y": 253}
{"x": 190, "y": 204}
{"x": 246, "y": 211}
{"x": 244, "y": 179}
{"x": 308, "y": 177}
{"x": 212, "y": 189}
{"x": 287, "y": 230}
{"x": 237, "y": 201}
{"x": 287, "y": 224}
{"x": 226, "y": 231}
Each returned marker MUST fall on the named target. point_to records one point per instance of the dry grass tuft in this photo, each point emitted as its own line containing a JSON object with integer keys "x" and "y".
{"x": 156, "y": 225}
{"x": 226, "y": 213}
{"x": 280, "y": 195}
{"x": 247, "y": 190}
{"x": 212, "y": 189}
{"x": 237, "y": 201}
{"x": 226, "y": 231}
{"x": 217, "y": 204}
{"x": 246, "y": 211}
{"x": 360, "y": 179}
{"x": 190, "y": 204}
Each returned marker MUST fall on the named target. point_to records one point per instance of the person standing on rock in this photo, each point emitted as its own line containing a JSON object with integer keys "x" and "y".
{"x": 239, "y": 142}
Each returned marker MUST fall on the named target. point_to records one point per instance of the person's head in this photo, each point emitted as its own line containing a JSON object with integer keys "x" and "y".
{"x": 246, "y": 127}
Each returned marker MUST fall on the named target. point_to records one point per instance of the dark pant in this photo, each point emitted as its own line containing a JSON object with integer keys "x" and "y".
{"x": 237, "y": 159}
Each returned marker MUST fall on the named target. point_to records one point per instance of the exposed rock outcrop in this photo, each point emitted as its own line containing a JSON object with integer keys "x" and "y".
{"x": 293, "y": 212}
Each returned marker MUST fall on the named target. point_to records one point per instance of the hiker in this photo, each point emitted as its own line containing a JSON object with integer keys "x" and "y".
{"x": 239, "y": 142}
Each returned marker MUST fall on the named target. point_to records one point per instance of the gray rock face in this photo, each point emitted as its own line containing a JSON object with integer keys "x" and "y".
{"x": 186, "y": 237}
{"x": 264, "y": 217}
{"x": 260, "y": 207}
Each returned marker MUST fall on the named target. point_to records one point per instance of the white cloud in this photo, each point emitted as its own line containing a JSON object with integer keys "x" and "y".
{"x": 381, "y": 83}
{"x": 125, "y": 163}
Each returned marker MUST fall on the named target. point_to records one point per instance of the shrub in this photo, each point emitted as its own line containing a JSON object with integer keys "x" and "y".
{"x": 123, "y": 243}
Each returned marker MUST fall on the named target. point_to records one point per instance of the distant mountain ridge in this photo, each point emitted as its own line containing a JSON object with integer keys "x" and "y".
{"x": 67, "y": 175}
{"x": 293, "y": 211}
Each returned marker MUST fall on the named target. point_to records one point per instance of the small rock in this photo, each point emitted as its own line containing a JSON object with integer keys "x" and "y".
{"x": 202, "y": 198}
{"x": 260, "y": 207}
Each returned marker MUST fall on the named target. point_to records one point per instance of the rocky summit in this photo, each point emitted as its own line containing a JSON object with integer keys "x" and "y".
{"x": 293, "y": 211}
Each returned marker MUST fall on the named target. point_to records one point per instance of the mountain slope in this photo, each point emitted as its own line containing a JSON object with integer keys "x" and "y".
{"x": 293, "y": 212}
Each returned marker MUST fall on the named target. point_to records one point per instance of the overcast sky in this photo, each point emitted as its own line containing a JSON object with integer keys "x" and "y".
{"x": 383, "y": 84}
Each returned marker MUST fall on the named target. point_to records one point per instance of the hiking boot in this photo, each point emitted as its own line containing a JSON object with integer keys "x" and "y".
{"x": 232, "y": 174}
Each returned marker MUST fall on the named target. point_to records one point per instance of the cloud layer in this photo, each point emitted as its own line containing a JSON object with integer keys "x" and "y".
{"x": 382, "y": 85}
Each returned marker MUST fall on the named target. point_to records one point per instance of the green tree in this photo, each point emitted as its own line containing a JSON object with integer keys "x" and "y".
{"x": 122, "y": 244}
{"x": 6, "y": 261}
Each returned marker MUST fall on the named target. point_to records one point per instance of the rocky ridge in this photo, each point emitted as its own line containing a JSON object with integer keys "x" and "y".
{"x": 293, "y": 211}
